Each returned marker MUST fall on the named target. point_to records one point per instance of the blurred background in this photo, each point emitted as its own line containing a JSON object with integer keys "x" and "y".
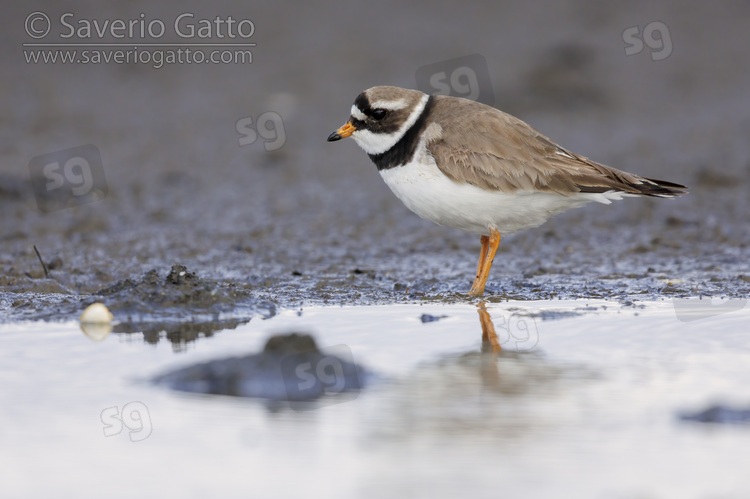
{"x": 186, "y": 176}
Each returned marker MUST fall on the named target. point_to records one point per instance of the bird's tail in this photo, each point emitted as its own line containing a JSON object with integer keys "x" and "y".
{"x": 659, "y": 188}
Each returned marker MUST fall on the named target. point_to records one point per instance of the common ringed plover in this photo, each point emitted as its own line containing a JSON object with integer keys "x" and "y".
{"x": 466, "y": 165}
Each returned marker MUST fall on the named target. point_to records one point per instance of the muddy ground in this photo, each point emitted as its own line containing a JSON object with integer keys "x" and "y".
{"x": 311, "y": 222}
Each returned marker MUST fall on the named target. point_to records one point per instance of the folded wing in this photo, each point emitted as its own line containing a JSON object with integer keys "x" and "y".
{"x": 496, "y": 151}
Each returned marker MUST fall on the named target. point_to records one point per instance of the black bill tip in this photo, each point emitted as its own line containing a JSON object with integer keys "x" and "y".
{"x": 334, "y": 137}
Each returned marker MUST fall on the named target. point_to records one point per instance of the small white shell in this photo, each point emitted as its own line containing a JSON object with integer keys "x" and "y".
{"x": 96, "y": 313}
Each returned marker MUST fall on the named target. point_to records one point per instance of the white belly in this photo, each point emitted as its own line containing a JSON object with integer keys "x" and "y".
{"x": 427, "y": 192}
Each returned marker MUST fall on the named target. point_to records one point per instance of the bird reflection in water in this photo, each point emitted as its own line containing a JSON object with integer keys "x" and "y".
{"x": 517, "y": 331}
{"x": 489, "y": 335}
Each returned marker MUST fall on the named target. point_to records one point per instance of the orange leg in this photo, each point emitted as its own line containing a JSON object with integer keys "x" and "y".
{"x": 485, "y": 240}
{"x": 487, "y": 256}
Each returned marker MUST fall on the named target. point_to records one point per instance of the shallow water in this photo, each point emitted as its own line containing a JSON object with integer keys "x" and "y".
{"x": 584, "y": 400}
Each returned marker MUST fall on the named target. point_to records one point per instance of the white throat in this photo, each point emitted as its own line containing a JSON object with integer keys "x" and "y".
{"x": 378, "y": 143}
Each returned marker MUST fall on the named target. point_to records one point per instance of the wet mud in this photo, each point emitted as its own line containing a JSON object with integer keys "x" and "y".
{"x": 312, "y": 222}
{"x": 290, "y": 370}
{"x": 719, "y": 414}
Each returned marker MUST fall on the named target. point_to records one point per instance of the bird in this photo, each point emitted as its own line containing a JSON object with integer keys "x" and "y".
{"x": 470, "y": 166}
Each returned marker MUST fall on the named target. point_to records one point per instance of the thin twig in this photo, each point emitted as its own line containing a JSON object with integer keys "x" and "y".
{"x": 44, "y": 265}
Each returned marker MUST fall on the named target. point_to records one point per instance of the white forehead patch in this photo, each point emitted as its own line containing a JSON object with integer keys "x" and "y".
{"x": 358, "y": 114}
{"x": 393, "y": 105}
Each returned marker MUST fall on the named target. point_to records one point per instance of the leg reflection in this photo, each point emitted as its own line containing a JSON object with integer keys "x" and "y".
{"x": 489, "y": 336}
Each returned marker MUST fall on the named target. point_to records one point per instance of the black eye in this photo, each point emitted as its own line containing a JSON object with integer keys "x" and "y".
{"x": 379, "y": 114}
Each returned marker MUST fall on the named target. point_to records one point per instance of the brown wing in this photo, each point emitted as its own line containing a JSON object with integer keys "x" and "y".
{"x": 483, "y": 146}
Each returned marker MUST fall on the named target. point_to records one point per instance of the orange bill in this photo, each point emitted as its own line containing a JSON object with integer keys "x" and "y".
{"x": 342, "y": 132}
